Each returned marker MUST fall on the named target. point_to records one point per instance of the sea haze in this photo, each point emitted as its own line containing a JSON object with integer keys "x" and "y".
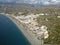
{"x": 40, "y": 2}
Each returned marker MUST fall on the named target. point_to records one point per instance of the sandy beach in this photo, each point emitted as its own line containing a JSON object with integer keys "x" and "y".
{"x": 32, "y": 39}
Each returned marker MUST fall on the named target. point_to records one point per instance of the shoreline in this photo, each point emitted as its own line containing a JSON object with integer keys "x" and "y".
{"x": 26, "y": 33}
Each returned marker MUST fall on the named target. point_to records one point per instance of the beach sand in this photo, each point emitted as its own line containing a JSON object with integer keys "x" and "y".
{"x": 30, "y": 37}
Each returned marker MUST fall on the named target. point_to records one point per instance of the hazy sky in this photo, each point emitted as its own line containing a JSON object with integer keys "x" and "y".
{"x": 33, "y": 1}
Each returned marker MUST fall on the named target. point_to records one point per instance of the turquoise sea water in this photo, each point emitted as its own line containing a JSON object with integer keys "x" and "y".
{"x": 10, "y": 34}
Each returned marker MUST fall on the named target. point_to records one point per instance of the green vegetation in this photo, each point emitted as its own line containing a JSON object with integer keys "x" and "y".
{"x": 25, "y": 12}
{"x": 53, "y": 25}
{"x": 51, "y": 20}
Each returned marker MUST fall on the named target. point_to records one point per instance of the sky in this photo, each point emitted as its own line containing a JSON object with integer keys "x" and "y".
{"x": 46, "y": 2}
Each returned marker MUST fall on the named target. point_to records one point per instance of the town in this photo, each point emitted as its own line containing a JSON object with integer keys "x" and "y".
{"x": 42, "y": 23}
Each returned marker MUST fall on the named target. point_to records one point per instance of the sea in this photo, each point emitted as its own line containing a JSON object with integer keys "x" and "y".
{"x": 10, "y": 34}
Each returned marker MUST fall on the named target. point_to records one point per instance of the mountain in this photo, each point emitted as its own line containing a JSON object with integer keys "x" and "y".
{"x": 32, "y": 2}
{"x": 5, "y": 3}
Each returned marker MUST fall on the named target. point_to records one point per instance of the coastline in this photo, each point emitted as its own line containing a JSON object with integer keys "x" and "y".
{"x": 26, "y": 33}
